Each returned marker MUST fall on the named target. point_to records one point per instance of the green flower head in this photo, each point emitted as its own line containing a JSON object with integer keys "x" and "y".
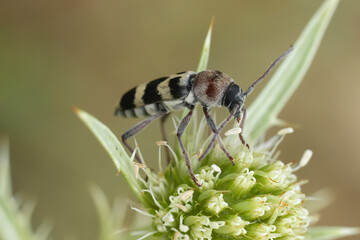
{"x": 258, "y": 198}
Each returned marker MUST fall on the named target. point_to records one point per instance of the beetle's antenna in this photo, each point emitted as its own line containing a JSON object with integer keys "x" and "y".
{"x": 252, "y": 86}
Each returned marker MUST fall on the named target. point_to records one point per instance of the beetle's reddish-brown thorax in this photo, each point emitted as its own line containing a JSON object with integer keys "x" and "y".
{"x": 209, "y": 87}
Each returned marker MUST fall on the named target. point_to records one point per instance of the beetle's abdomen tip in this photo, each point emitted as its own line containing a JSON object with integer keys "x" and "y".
{"x": 119, "y": 112}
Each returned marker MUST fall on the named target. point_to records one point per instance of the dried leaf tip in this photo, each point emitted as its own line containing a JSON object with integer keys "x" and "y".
{"x": 212, "y": 23}
{"x": 76, "y": 110}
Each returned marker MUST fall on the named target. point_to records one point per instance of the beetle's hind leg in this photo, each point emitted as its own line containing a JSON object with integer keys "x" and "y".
{"x": 137, "y": 128}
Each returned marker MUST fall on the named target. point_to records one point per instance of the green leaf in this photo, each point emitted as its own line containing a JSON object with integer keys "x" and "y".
{"x": 116, "y": 151}
{"x": 205, "y": 53}
{"x": 203, "y": 62}
{"x": 264, "y": 111}
{"x": 328, "y": 233}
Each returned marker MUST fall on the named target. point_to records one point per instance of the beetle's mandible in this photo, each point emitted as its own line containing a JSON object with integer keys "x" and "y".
{"x": 156, "y": 99}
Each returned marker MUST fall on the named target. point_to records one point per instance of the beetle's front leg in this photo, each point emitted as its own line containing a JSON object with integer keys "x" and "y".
{"x": 242, "y": 139}
{"x": 217, "y": 132}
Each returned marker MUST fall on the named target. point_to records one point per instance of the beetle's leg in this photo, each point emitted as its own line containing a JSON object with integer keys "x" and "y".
{"x": 137, "y": 128}
{"x": 182, "y": 126}
{"x": 223, "y": 124}
{"x": 222, "y": 146}
{"x": 163, "y": 135}
{"x": 214, "y": 129}
{"x": 242, "y": 128}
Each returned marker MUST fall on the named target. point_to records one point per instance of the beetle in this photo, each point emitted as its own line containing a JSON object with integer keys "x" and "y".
{"x": 210, "y": 88}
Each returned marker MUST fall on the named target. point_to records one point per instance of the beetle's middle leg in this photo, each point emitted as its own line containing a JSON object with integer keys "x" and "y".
{"x": 182, "y": 126}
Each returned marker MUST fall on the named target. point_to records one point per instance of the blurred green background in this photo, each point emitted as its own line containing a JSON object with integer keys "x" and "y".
{"x": 56, "y": 54}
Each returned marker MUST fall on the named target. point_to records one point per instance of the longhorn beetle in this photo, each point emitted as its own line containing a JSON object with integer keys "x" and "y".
{"x": 210, "y": 88}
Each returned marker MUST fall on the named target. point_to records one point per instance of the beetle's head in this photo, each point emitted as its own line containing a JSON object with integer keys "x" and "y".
{"x": 234, "y": 98}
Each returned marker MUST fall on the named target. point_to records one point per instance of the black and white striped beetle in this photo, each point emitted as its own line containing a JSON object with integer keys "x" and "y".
{"x": 210, "y": 88}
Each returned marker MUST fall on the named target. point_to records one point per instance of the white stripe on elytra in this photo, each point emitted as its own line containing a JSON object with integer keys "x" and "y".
{"x": 164, "y": 90}
{"x": 139, "y": 93}
{"x": 185, "y": 79}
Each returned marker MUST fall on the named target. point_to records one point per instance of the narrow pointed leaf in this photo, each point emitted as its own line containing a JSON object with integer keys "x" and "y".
{"x": 204, "y": 59}
{"x": 205, "y": 53}
{"x": 264, "y": 111}
{"x": 104, "y": 212}
{"x": 109, "y": 224}
{"x": 5, "y": 178}
{"x": 329, "y": 233}
{"x": 113, "y": 147}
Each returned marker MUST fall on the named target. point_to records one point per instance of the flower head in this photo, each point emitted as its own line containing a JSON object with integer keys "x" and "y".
{"x": 258, "y": 198}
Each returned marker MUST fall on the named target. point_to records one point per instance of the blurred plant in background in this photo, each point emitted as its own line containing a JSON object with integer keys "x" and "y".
{"x": 258, "y": 198}
{"x": 15, "y": 213}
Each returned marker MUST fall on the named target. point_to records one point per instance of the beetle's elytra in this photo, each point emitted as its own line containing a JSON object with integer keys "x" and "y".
{"x": 156, "y": 99}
